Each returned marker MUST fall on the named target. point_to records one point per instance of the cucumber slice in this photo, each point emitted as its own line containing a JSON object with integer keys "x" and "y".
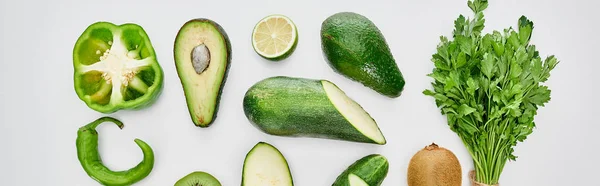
{"x": 354, "y": 180}
{"x": 353, "y": 112}
{"x": 370, "y": 170}
{"x": 265, "y": 165}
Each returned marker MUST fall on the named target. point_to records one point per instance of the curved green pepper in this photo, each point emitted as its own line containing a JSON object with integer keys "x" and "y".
{"x": 116, "y": 68}
{"x": 87, "y": 153}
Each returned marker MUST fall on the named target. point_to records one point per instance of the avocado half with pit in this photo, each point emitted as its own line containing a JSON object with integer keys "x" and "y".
{"x": 202, "y": 58}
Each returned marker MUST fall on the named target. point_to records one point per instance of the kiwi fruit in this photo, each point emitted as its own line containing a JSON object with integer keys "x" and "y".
{"x": 198, "y": 178}
{"x": 434, "y": 166}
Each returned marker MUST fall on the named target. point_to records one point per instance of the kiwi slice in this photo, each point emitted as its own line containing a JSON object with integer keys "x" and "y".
{"x": 198, "y": 178}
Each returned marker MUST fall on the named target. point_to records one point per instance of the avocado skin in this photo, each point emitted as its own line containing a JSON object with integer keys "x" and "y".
{"x": 355, "y": 48}
{"x": 372, "y": 169}
{"x": 225, "y": 74}
{"x": 297, "y": 107}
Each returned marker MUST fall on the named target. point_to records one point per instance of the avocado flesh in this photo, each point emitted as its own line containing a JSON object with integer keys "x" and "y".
{"x": 202, "y": 90}
{"x": 356, "y": 48}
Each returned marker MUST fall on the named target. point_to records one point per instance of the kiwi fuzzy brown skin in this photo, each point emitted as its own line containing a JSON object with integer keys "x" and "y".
{"x": 434, "y": 166}
{"x": 198, "y": 178}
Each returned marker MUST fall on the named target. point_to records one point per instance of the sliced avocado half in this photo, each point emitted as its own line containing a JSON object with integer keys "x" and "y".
{"x": 202, "y": 58}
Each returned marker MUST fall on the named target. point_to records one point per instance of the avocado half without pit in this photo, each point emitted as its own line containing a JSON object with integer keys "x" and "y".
{"x": 202, "y": 58}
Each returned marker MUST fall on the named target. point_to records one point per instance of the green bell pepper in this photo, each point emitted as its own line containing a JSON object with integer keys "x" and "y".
{"x": 116, "y": 68}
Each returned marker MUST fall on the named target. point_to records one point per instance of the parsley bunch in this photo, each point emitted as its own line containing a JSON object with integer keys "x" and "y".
{"x": 490, "y": 87}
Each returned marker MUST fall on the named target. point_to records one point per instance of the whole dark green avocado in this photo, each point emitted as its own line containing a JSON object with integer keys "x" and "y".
{"x": 355, "y": 48}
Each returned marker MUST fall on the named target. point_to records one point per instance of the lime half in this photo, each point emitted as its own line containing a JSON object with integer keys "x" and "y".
{"x": 275, "y": 37}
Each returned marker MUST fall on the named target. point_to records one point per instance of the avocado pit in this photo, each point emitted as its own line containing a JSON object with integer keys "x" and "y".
{"x": 200, "y": 58}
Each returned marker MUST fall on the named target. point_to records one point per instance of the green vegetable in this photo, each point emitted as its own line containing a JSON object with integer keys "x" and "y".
{"x": 490, "y": 87}
{"x": 87, "y": 153}
{"x": 370, "y": 170}
{"x": 355, "y": 48}
{"x": 202, "y": 58}
{"x": 116, "y": 68}
{"x": 265, "y": 165}
{"x": 289, "y": 106}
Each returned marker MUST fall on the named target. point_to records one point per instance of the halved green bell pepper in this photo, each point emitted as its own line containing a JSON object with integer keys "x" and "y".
{"x": 116, "y": 68}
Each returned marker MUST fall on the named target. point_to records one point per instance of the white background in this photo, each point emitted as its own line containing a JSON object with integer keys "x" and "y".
{"x": 40, "y": 112}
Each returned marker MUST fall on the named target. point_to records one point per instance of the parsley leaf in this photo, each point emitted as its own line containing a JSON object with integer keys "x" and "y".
{"x": 489, "y": 87}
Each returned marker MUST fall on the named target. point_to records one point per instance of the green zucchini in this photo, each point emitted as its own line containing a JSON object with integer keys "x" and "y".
{"x": 290, "y": 106}
{"x": 370, "y": 170}
{"x": 265, "y": 165}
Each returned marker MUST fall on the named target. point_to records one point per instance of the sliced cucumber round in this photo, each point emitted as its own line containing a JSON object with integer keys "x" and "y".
{"x": 265, "y": 165}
